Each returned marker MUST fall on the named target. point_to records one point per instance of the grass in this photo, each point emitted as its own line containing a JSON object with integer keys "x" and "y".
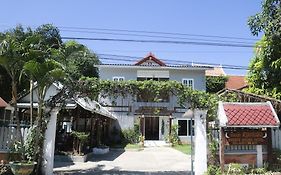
{"x": 184, "y": 148}
{"x": 127, "y": 146}
{"x": 133, "y": 146}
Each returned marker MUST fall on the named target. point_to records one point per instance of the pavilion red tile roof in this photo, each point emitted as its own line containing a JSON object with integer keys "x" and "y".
{"x": 3, "y": 104}
{"x": 250, "y": 114}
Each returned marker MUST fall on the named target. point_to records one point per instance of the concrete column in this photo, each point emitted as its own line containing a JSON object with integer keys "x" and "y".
{"x": 49, "y": 143}
{"x": 200, "y": 157}
{"x": 259, "y": 156}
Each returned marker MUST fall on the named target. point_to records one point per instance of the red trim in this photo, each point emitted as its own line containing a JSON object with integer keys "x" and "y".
{"x": 150, "y": 56}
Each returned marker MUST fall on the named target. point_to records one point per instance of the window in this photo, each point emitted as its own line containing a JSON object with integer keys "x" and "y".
{"x": 118, "y": 78}
{"x": 182, "y": 130}
{"x": 188, "y": 82}
{"x": 186, "y": 127}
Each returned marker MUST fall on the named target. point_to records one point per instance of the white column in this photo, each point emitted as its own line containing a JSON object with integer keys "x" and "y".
{"x": 49, "y": 144}
{"x": 200, "y": 142}
{"x": 259, "y": 156}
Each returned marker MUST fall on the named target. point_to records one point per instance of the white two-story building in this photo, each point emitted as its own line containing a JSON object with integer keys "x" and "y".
{"x": 154, "y": 126}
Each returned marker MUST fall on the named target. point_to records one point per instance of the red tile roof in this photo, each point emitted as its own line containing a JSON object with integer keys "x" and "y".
{"x": 236, "y": 82}
{"x": 251, "y": 114}
{"x": 152, "y": 57}
{"x": 3, "y": 104}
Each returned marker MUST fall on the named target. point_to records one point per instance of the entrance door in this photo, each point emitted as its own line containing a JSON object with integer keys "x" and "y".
{"x": 151, "y": 128}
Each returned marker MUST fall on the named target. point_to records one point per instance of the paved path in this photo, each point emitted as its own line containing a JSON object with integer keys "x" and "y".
{"x": 154, "y": 161}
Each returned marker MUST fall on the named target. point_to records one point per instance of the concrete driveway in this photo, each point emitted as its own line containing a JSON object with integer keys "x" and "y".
{"x": 154, "y": 161}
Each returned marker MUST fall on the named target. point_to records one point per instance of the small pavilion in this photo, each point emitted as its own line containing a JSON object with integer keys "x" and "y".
{"x": 245, "y": 133}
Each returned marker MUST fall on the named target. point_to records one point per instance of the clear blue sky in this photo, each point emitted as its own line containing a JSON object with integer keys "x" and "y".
{"x": 217, "y": 17}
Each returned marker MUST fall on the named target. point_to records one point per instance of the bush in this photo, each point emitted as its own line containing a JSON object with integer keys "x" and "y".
{"x": 5, "y": 170}
{"x": 131, "y": 135}
{"x": 173, "y": 137}
{"x": 235, "y": 169}
{"x": 213, "y": 170}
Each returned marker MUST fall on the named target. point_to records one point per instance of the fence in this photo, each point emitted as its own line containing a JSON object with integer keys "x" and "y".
{"x": 276, "y": 140}
{"x": 8, "y": 134}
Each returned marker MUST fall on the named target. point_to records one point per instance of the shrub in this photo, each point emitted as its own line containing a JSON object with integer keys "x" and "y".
{"x": 213, "y": 170}
{"x": 131, "y": 135}
{"x": 5, "y": 170}
{"x": 235, "y": 169}
{"x": 173, "y": 137}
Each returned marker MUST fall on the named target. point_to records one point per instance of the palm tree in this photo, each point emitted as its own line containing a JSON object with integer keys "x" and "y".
{"x": 12, "y": 58}
{"x": 44, "y": 70}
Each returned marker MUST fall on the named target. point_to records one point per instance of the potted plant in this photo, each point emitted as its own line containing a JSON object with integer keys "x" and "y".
{"x": 23, "y": 164}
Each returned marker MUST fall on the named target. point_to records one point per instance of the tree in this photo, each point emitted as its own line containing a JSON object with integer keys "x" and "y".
{"x": 265, "y": 67}
{"x": 44, "y": 70}
{"x": 215, "y": 83}
{"x": 12, "y": 59}
{"x": 79, "y": 61}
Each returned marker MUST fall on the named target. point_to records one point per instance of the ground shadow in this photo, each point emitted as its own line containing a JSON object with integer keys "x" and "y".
{"x": 58, "y": 164}
{"x": 110, "y": 156}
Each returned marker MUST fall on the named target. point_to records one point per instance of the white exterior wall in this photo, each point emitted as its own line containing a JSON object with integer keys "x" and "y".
{"x": 126, "y": 119}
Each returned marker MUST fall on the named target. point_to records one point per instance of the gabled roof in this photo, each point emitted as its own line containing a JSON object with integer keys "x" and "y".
{"x": 217, "y": 71}
{"x": 151, "y": 57}
{"x": 247, "y": 115}
{"x": 3, "y": 104}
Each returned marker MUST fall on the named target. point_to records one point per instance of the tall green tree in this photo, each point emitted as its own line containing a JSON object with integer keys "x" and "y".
{"x": 12, "y": 58}
{"x": 44, "y": 70}
{"x": 79, "y": 61}
{"x": 265, "y": 67}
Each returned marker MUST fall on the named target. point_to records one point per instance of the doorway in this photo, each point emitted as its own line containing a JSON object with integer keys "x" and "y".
{"x": 151, "y": 128}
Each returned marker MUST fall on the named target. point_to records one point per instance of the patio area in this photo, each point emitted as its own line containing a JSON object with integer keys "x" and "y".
{"x": 152, "y": 160}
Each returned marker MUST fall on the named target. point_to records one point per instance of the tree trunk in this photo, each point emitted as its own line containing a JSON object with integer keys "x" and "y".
{"x": 39, "y": 142}
{"x": 14, "y": 102}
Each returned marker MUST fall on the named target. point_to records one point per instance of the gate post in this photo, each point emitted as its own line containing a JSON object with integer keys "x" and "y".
{"x": 49, "y": 143}
{"x": 200, "y": 158}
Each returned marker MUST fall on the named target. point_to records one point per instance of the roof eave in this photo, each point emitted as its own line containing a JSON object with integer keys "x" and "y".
{"x": 252, "y": 126}
{"x": 154, "y": 67}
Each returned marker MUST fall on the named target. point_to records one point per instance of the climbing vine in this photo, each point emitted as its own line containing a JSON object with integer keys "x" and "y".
{"x": 186, "y": 96}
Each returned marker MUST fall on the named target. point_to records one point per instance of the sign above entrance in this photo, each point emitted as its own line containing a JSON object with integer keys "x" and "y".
{"x": 246, "y": 137}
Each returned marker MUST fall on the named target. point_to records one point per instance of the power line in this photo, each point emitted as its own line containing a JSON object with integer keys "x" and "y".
{"x": 160, "y": 41}
{"x": 155, "y": 36}
{"x": 176, "y": 51}
{"x": 157, "y": 32}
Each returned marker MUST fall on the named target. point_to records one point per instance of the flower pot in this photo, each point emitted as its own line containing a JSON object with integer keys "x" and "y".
{"x": 22, "y": 168}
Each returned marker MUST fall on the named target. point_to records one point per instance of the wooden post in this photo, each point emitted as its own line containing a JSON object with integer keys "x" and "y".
{"x": 222, "y": 144}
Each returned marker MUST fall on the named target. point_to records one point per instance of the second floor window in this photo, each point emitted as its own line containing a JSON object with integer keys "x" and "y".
{"x": 118, "y": 78}
{"x": 188, "y": 82}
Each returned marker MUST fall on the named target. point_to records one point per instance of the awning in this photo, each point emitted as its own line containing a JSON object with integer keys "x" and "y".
{"x": 86, "y": 103}
{"x": 94, "y": 107}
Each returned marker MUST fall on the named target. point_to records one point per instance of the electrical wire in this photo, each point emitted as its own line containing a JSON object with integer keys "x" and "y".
{"x": 160, "y": 41}
{"x": 157, "y": 32}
